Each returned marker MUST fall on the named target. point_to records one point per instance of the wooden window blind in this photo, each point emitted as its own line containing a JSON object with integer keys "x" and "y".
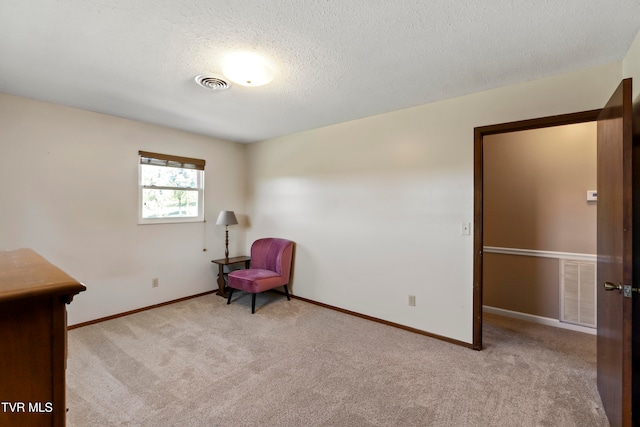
{"x": 168, "y": 160}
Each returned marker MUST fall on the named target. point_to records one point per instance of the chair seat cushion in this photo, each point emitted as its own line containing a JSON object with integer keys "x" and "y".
{"x": 255, "y": 280}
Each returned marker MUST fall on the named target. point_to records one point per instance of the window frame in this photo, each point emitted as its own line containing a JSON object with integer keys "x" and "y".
{"x": 170, "y": 161}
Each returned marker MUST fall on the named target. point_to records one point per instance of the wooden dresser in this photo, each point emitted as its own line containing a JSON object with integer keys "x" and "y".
{"x": 33, "y": 334}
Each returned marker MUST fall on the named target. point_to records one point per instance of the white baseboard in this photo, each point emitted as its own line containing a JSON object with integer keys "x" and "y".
{"x": 539, "y": 319}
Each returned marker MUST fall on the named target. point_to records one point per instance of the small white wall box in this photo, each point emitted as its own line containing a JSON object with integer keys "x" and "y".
{"x": 592, "y": 196}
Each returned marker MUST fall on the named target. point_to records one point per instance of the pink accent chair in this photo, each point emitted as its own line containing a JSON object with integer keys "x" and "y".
{"x": 270, "y": 268}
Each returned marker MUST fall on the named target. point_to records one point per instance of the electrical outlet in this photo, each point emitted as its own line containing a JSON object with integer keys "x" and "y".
{"x": 154, "y": 282}
{"x": 412, "y": 300}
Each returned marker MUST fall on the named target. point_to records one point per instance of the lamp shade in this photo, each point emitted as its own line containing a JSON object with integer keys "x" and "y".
{"x": 226, "y": 218}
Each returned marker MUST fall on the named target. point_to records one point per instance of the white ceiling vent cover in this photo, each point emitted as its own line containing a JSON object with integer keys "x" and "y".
{"x": 212, "y": 82}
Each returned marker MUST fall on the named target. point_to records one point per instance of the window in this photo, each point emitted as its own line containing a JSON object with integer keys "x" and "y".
{"x": 171, "y": 189}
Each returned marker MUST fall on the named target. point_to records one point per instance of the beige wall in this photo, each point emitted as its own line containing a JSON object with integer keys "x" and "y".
{"x": 69, "y": 191}
{"x": 522, "y": 284}
{"x": 535, "y": 185}
{"x": 376, "y": 204}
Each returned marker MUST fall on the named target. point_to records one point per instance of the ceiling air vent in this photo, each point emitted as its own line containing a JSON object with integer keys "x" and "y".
{"x": 213, "y": 82}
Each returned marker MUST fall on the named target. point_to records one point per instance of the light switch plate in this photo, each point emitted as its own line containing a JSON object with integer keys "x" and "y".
{"x": 465, "y": 228}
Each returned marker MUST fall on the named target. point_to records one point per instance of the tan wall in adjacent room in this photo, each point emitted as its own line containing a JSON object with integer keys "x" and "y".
{"x": 535, "y": 185}
{"x": 522, "y": 284}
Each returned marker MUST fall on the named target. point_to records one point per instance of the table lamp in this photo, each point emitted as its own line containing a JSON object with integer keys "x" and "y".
{"x": 226, "y": 218}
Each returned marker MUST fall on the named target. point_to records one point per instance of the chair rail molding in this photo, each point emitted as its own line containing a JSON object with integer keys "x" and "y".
{"x": 541, "y": 254}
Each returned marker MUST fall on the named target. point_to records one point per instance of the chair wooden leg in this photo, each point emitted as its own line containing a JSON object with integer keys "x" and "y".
{"x": 253, "y": 303}
{"x": 286, "y": 291}
{"x": 229, "y": 297}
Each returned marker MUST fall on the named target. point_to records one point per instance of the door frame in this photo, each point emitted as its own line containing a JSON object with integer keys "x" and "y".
{"x": 478, "y": 243}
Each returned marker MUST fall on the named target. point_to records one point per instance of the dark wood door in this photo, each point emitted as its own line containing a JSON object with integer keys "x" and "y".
{"x": 615, "y": 255}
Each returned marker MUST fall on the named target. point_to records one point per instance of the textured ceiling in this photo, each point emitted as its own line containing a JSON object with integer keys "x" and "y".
{"x": 335, "y": 60}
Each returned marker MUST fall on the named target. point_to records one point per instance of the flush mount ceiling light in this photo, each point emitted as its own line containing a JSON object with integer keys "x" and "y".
{"x": 247, "y": 69}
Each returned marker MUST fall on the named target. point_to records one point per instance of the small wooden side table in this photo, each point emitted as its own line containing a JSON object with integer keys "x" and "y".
{"x": 222, "y": 291}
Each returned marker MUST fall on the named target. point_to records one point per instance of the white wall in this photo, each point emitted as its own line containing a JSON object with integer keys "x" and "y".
{"x": 69, "y": 191}
{"x": 631, "y": 66}
{"x": 375, "y": 205}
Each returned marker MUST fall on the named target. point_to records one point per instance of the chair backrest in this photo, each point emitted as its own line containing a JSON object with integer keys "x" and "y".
{"x": 272, "y": 254}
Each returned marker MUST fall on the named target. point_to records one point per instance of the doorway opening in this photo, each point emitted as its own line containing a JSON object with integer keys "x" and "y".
{"x": 479, "y": 210}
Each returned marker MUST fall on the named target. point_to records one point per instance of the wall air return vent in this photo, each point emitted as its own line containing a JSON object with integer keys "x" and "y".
{"x": 578, "y": 292}
{"x": 212, "y": 82}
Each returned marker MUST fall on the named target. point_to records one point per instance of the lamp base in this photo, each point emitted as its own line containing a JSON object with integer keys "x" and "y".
{"x": 226, "y": 243}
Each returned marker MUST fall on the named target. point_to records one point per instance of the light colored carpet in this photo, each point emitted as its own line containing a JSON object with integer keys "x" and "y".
{"x": 203, "y": 363}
